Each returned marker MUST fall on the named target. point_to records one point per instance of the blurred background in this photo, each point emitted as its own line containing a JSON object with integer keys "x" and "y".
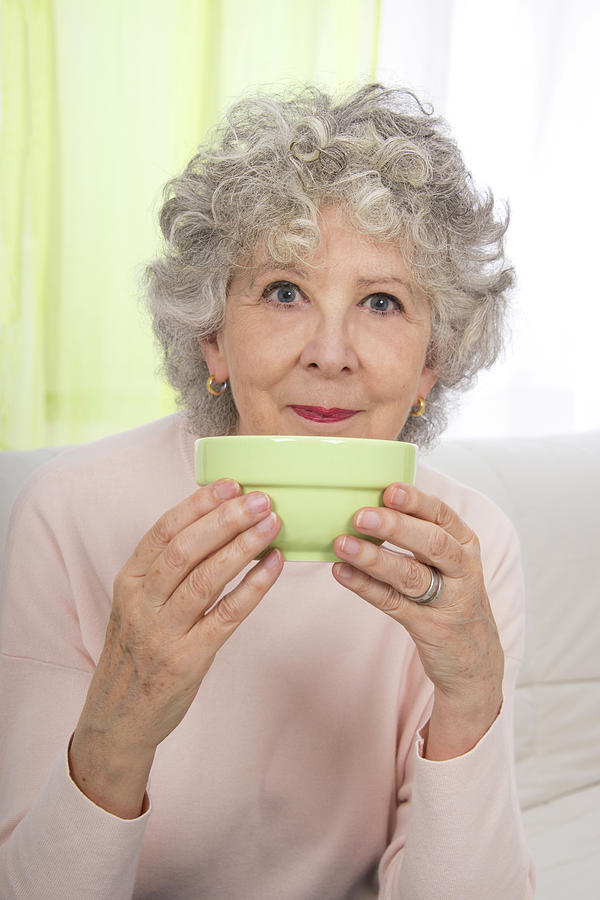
{"x": 102, "y": 103}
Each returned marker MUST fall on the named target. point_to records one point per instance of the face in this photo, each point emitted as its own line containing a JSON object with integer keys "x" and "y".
{"x": 336, "y": 347}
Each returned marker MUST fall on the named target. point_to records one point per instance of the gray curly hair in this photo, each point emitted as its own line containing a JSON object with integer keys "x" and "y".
{"x": 262, "y": 178}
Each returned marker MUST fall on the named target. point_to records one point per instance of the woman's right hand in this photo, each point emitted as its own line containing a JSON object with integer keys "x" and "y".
{"x": 161, "y": 640}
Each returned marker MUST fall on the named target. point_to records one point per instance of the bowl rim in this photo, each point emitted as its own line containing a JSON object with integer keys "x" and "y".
{"x": 341, "y": 467}
{"x": 308, "y": 438}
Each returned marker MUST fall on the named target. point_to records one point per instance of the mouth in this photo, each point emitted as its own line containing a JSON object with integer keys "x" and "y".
{"x": 321, "y": 414}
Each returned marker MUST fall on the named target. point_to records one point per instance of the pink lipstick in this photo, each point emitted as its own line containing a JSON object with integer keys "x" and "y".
{"x": 321, "y": 414}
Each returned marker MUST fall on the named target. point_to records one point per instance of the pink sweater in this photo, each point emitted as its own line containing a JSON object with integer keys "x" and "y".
{"x": 297, "y": 772}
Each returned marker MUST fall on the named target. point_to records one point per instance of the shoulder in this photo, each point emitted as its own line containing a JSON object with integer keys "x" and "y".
{"x": 120, "y": 484}
{"x": 128, "y": 458}
{"x": 144, "y": 443}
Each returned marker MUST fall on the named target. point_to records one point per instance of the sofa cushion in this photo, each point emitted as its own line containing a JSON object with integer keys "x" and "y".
{"x": 550, "y": 488}
{"x": 564, "y": 837}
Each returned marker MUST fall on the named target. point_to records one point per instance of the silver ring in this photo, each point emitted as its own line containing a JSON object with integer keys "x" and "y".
{"x": 434, "y": 590}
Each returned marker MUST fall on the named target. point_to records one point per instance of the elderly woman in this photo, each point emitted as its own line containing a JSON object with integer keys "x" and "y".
{"x": 182, "y": 721}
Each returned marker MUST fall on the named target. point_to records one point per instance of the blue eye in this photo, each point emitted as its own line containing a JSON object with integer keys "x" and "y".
{"x": 384, "y": 304}
{"x": 282, "y": 294}
{"x": 285, "y": 294}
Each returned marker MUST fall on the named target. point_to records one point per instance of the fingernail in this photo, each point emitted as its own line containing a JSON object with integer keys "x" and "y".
{"x": 344, "y": 572}
{"x": 267, "y": 524}
{"x": 350, "y": 546}
{"x": 368, "y": 519}
{"x": 398, "y": 496}
{"x": 271, "y": 560}
{"x": 225, "y": 490}
{"x": 256, "y": 502}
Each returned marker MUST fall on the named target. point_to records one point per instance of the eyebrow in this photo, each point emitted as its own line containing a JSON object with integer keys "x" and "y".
{"x": 273, "y": 266}
{"x": 384, "y": 279}
{"x": 391, "y": 280}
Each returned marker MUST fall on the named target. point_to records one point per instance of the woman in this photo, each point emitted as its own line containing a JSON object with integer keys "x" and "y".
{"x": 270, "y": 730}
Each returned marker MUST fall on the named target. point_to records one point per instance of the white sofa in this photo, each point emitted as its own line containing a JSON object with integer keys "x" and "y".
{"x": 550, "y": 487}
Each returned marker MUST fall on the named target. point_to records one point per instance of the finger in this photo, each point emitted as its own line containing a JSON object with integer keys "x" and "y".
{"x": 205, "y": 583}
{"x": 402, "y": 572}
{"x": 410, "y": 500}
{"x": 382, "y": 596}
{"x": 198, "y": 504}
{"x": 200, "y": 540}
{"x": 220, "y": 623}
{"x": 428, "y": 542}
{"x": 418, "y": 619}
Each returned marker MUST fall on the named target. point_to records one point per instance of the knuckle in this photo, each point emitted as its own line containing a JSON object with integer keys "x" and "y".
{"x": 231, "y": 513}
{"x": 251, "y": 540}
{"x": 413, "y": 575}
{"x": 200, "y": 582}
{"x": 246, "y": 542}
{"x": 391, "y": 599}
{"x": 439, "y": 544}
{"x": 126, "y": 591}
{"x": 177, "y": 553}
{"x": 443, "y": 515}
{"x": 227, "y": 611}
{"x": 161, "y": 531}
{"x": 370, "y": 554}
{"x": 236, "y": 521}
{"x": 226, "y": 519}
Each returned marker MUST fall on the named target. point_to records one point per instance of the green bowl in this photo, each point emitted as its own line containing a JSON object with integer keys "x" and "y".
{"x": 316, "y": 484}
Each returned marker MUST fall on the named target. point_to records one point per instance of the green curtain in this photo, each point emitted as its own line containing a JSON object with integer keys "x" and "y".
{"x": 102, "y": 103}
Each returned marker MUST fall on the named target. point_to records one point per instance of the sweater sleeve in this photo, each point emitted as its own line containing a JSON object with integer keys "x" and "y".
{"x": 54, "y": 842}
{"x": 458, "y": 831}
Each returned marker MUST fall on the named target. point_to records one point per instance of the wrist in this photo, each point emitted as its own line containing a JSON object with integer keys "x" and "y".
{"x": 112, "y": 777}
{"x": 455, "y": 728}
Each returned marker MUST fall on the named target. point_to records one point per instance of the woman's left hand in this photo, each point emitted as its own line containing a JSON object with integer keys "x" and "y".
{"x": 456, "y": 635}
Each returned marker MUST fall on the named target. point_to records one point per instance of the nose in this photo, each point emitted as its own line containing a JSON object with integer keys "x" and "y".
{"x": 330, "y": 347}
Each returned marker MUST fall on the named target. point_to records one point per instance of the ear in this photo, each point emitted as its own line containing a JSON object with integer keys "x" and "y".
{"x": 426, "y": 381}
{"x": 214, "y": 356}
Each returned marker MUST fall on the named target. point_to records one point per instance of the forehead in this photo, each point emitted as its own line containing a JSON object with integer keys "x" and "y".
{"x": 342, "y": 251}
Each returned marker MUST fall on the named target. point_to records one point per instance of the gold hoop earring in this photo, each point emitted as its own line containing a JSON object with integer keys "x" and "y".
{"x": 210, "y": 381}
{"x": 419, "y": 407}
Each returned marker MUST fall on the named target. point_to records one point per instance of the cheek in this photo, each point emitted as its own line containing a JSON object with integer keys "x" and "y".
{"x": 394, "y": 366}
{"x": 276, "y": 345}
{"x": 259, "y": 357}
